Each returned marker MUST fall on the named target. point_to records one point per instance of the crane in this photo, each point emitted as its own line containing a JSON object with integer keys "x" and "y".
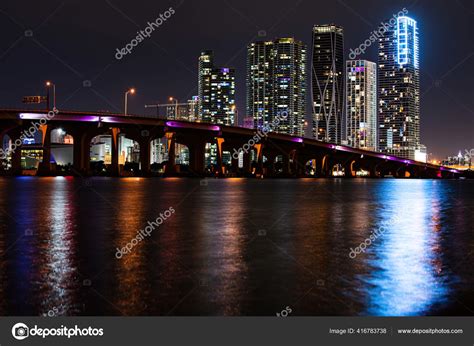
{"x": 175, "y": 104}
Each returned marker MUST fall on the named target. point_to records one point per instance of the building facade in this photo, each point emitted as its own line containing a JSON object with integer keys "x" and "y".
{"x": 205, "y": 67}
{"x": 327, "y": 83}
{"x": 399, "y": 90}
{"x": 259, "y": 102}
{"x": 216, "y": 87}
{"x": 193, "y": 109}
{"x": 276, "y": 85}
{"x": 222, "y": 105}
{"x": 361, "y": 104}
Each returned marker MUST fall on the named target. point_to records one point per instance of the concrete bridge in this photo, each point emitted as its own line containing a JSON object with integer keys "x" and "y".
{"x": 273, "y": 155}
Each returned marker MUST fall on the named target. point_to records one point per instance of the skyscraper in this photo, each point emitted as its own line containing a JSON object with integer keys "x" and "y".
{"x": 361, "y": 104}
{"x": 399, "y": 89}
{"x": 276, "y": 84}
{"x": 327, "y": 82}
{"x": 216, "y": 88}
{"x": 260, "y": 56}
{"x": 222, "y": 99}
{"x": 204, "y": 84}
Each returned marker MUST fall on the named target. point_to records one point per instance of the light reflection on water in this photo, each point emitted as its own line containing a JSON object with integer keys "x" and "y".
{"x": 407, "y": 278}
{"x": 236, "y": 247}
{"x": 59, "y": 268}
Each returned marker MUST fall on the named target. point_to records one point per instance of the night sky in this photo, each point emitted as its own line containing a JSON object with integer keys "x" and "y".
{"x": 70, "y": 42}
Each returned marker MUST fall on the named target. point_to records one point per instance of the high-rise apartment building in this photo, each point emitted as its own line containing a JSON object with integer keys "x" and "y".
{"x": 276, "y": 84}
{"x": 216, "y": 88}
{"x": 327, "y": 83}
{"x": 204, "y": 84}
{"x": 399, "y": 90}
{"x": 222, "y": 104}
{"x": 361, "y": 104}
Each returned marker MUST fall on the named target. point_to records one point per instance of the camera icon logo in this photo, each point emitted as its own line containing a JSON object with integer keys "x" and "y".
{"x": 20, "y": 331}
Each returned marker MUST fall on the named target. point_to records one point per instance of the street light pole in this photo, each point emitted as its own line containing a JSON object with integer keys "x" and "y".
{"x": 175, "y": 107}
{"x": 130, "y": 91}
{"x": 49, "y": 84}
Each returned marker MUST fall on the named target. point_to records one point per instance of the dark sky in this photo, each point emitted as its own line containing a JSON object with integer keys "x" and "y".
{"x": 73, "y": 41}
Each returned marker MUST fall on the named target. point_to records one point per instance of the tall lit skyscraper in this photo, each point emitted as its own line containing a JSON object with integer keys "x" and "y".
{"x": 327, "y": 82}
{"x": 204, "y": 84}
{"x": 222, "y": 102}
{"x": 276, "y": 84}
{"x": 260, "y": 56}
{"x": 361, "y": 104}
{"x": 399, "y": 90}
{"x": 216, "y": 88}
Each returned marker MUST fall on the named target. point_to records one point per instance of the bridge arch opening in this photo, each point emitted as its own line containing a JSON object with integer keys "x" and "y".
{"x": 158, "y": 155}
{"x": 62, "y": 149}
{"x": 100, "y": 154}
{"x": 337, "y": 170}
{"x": 129, "y": 154}
{"x": 182, "y": 158}
{"x": 210, "y": 158}
{"x": 310, "y": 167}
{"x": 215, "y": 165}
{"x": 6, "y": 155}
{"x": 23, "y": 153}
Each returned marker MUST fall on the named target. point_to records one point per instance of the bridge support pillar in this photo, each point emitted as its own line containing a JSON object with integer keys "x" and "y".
{"x": 114, "y": 167}
{"x": 235, "y": 164}
{"x": 81, "y": 153}
{"x": 220, "y": 164}
{"x": 247, "y": 169}
{"x": 170, "y": 168}
{"x": 285, "y": 165}
{"x": 259, "y": 153}
{"x": 373, "y": 171}
{"x": 269, "y": 170}
{"x": 145, "y": 156}
{"x": 45, "y": 167}
{"x": 322, "y": 166}
{"x": 348, "y": 169}
{"x": 196, "y": 157}
{"x": 298, "y": 167}
{"x": 15, "y": 137}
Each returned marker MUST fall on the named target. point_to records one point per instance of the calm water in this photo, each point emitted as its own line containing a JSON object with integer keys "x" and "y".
{"x": 236, "y": 247}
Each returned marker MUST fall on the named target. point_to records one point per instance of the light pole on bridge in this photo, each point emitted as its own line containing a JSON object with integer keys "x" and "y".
{"x": 48, "y": 85}
{"x": 130, "y": 91}
{"x": 175, "y": 106}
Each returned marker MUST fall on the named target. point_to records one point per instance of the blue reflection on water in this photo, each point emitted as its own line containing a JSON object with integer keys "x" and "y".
{"x": 406, "y": 277}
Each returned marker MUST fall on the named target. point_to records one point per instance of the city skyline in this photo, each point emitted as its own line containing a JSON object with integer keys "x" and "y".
{"x": 103, "y": 98}
{"x": 261, "y": 162}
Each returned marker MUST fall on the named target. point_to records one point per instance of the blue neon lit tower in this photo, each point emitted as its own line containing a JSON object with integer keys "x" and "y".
{"x": 399, "y": 89}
